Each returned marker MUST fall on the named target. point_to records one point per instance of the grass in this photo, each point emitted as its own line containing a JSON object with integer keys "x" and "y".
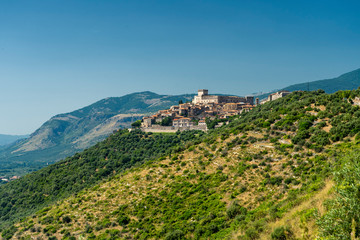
{"x": 301, "y": 218}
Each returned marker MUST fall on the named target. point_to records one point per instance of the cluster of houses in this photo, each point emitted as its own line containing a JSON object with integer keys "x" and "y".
{"x": 192, "y": 115}
{"x": 6, "y": 179}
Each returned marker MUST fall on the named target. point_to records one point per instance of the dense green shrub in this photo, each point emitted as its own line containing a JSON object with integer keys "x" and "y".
{"x": 123, "y": 220}
{"x": 235, "y": 209}
{"x": 175, "y": 235}
{"x": 66, "y": 219}
{"x": 320, "y": 137}
{"x": 282, "y": 233}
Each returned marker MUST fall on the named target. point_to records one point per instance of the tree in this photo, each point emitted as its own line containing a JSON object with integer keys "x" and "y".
{"x": 181, "y": 102}
{"x": 166, "y": 121}
{"x": 136, "y": 124}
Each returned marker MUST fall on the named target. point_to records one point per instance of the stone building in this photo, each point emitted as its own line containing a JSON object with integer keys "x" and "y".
{"x": 231, "y": 106}
{"x": 278, "y": 95}
{"x": 147, "y": 122}
{"x": 203, "y": 97}
{"x": 182, "y": 122}
{"x": 202, "y": 122}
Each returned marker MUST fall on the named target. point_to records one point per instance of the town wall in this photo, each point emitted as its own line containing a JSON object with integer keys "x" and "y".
{"x": 156, "y": 128}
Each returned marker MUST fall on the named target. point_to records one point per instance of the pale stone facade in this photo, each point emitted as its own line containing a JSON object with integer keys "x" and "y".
{"x": 275, "y": 96}
{"x": 182, "y": 122}
{"x": 278, "y": 95}
{"x": 147, "y": 122}
{"x": 204, "y": 98}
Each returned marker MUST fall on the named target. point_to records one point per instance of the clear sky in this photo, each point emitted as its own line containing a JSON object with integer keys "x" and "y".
{"x": 60, "y": 55}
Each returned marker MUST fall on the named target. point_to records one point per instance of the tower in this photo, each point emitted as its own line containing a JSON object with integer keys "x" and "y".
{"x": 203, "y": 92}
{"x": 249, "y": 100}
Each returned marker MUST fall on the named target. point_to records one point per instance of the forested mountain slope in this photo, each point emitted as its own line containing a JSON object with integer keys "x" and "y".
{"x": 65, "y": 134}
{"x": 263, "y": 175}
{"x": 347, "y": 81}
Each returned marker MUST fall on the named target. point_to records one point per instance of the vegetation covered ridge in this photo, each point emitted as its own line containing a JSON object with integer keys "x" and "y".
{"x": 120, "y": 151}
{"x": 228, "y": 183}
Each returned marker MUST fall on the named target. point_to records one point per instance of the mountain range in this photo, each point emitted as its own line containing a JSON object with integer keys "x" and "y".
{"x": 347, "y": 81}
{"x": 65, "y": 134}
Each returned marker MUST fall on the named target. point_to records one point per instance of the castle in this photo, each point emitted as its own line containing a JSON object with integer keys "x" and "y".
{"x": 192, "y": 115}
{"x": 203, "y": 97}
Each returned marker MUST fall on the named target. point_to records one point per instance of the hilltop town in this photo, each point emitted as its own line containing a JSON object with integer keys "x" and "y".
{"x": 203, "y": 109}
{"x": 194, "y": 115}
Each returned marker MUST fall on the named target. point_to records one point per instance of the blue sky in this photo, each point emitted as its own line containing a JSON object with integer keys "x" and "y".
{"x": 60, "y": 55}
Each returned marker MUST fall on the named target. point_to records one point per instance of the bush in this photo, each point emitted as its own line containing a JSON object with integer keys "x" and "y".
{"x": 175, "y": 235}
{"x": 235, "y": 209}
{"x": 9, "y": 233}
{"x": 66, "y": 219}
{"x": 251, "y": 233}
{"x": 304, "y": 125}
{"x": 282, "y": 233}
{"x": 123, "y": 220}
{"x": 320, "y": 137}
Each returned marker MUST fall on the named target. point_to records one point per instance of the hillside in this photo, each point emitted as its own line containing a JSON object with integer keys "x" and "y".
{"x": 347, "y": 81}
{"x": 264, "y": 175}
{"x": 65, "y": 134}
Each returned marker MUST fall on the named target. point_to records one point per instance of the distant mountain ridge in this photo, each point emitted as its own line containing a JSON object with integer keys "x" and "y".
{"x": 8, "y": 139}
{"x": 65, "y": 134}
{"x": 346, "y": 81}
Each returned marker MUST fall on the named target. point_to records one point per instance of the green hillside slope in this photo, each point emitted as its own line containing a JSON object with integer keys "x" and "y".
{"x": 264, "y": 175}
{"x": 65, "y": 134}
{"x": 120, "y": 151}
